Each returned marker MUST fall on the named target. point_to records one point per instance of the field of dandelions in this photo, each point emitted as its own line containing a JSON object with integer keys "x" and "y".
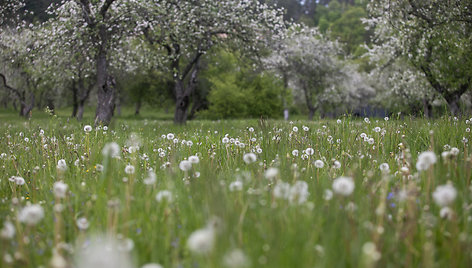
{"x": 144, "y": 193}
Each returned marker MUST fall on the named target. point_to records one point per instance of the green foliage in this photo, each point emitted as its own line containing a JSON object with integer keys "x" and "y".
{"x": 238, "y": 92}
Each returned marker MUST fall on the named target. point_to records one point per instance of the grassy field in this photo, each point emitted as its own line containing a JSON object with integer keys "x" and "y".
{"x": 244, "y": 193}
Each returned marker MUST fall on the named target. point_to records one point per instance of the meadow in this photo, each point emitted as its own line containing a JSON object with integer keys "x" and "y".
{"x": 344, "y": 192}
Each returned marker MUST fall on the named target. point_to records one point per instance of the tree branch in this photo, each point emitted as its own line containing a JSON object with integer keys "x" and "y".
{"x": 14, "y": 90}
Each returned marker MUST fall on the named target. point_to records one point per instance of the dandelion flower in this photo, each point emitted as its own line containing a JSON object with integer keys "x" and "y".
{"x": 235, "y": 186}
{"x": 309, "y": 151}
{"x": 185, "y": 165}
{"x": 111, "y": 149}
{"x": 271, "y": 173}
{"x": 319, "y": 164}
{"x": 384, "y": 167}
{"x": 295, "y": 152}
{"x": 236, "y": 259}
{"x": 425, "y": 160}
{"x": 102, "y": 252}
{"x": 164, "y": 195}
{"x": 61, "y": 165}
{"x": 82, "y": 223}
{"x": 202, "y": 241}
{"x": 151, "y": 178}
{"x": 31, "y": 215}
{"x": 444, "y": 195}
{"x": 87, "y": 128}
{"x": 299, "y": 193}
{"x": 60, "y": 189}
{"x": 152, "y": 265}
{"x": 8, "y": 230}
{"x": 249, "y": 158}
{"x": 343, "y": 186}
{"x": 194, "y": 159}
{"x": 129, "y": 169}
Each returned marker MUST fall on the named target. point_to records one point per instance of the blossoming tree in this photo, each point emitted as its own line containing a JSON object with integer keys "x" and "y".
{"x": 434, "y": 36}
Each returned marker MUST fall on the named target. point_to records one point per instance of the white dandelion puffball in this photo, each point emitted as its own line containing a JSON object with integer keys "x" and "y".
{"x": 31, "y": 215}
{"x": 319, "y": 164}
{"x": 295, "y": 152}
{"x": 309, "y": 151}
{"x": 82, "y": 224}
{"x": 170, "y": 136}
{"x": 185, "y": 165}
{"x": 194, "y": 159}
{"x": 295, "y": 129}
{"x": 201, "y": 242}
{"x": 129, "y": 169}
{"x": 60, "y": 189}
{"x": 343, "y": 186}
{"x": 337, "y": 164}
{"x": 102, "y": 252}
{"x": 271, "y": 173}
{"x": 236, "y": 259}
{"x": 299, "y": 193}
{"x": 249, "y": 158}
{"x": 17, "y": 180}
{"x": 87, "y": 128}
{"x": 444, "y": 195}
{"x": 8, "y": 230}
{"x": 152, "y": 265}
{"x": 111, "y": 149}
{"x": 328, "y": 195}
{"x": 384, "y": 167}
{"x": 281, "y": 190}
{"x": 164, "y": 195}
{"x": 236, "y": 186}
{"x": 425, "y": 160}
{"x": 151, "y": 178}
{"x": 61, "y": 165}
{"x": 446, "y": 213}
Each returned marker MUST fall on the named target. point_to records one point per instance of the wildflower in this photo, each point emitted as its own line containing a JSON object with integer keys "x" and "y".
{"x": 377, "y": 129}
{"x": 384, "y": 167}
{"x": 185, "y": 165}
{"x": 61, "y": 165}
{"x": 201, "y": 242}
{"x": 337, "y": 164}
{"x": 111, "y": 149}
{"x": 282, "y": 190}
{"x": 328, "y": 194}
{"x": 446, "y": 212}
{"x": 99, "y": 167}
{"x": 271, "y": 173}
{"x": 370, "y": 251}
{"x": 151, "y": 178}
{"x": 164, "y": 195}
{"x": 249, "y": 158}
{"x": 299, "y": 193}
{"x": 295, "y": 129}
{"x": 103, "y": 252}
{"x": 235, "y": 259}
{"x": 152, "y": 265}
{"x": 454, "y": 151}
{"x": 251, "y": 129}
{"x": 225, "y": 140}
{"x": 235, "y": 186}
{"x": 425, "y": 160}
{"x": 319, "y": 164}
{"x": 444, "y": 195}
{"x": 31, "y": 215}
{"x": 305, "y": 128}
{"x": 17, "y": 180}
{"x": 82, "y": 223}
{"x": 129, "y": 169}
{"x": 295, "y": 152}
{"x": 8, "y": 230}
{"x": 60, "y": 189}
{"x": 309, "y": 151}
{"x": 194, "y": 159}
{"x": 170, "y": 136}
{"x": 343, "y": 186}
{"x": 87, "y": 128}
{"x": 339, "y": 121}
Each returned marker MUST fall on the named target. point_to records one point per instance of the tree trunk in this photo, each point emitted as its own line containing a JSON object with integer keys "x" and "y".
{"x": 427, "y": 109}
{"x": 311, "y": 113}
{"x": 453, "y": 103}
{"x": 137, "y": 108}
{"x": 75, "y": 101}
{"x": 105, "y": 86}
{"x": 181, "y": 104}
{"x": 80, "y": 110}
